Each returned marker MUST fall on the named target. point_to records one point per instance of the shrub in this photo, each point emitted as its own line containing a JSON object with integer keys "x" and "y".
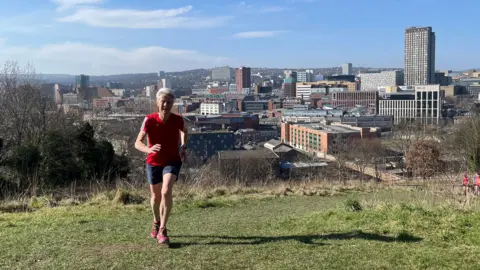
{"x": 353, "y": 205}
{"x": 127, "y": 197}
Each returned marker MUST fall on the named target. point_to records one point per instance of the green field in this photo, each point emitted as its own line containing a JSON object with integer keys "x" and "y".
{"x": 395, "y": 229}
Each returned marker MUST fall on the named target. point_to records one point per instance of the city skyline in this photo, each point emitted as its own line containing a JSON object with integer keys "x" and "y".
{"x": 104, "y": 37}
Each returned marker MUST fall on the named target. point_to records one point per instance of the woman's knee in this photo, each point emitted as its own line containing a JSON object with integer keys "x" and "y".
{"x": 157, "y": 198}
{"x": 166, "y": 192}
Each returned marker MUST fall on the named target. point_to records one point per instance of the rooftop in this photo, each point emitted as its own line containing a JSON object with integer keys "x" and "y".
{"x": 247, "y": 154}
{"x": 283, "y": 149}
{"x": 272, "y": 144}
{"x": 210, "y": 132}
{"x": 295, "y": 165}
{"x": 330, "y": 128}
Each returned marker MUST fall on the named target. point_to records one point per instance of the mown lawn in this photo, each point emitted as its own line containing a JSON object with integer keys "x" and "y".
{"x": 394, "y": 230}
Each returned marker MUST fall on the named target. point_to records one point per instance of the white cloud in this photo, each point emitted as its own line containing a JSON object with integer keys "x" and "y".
{"x": 67, "y": 4}
{"x": 243, "y": 6}
{"x": 130, "y": 18}
{"x": 257, "y": 34}
{"x": 76, "y": 58}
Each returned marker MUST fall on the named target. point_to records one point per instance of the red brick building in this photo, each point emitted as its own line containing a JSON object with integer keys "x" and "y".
{"x": 368, "y": 99}
{"x": 243, "y": 78}
{"x": 314, "y": 139}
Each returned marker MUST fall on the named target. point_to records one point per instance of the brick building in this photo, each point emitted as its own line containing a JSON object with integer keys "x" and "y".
{"x": 234, "y": 121}
{"x": 368, "y": 99}
{"x": 318, "y": 138}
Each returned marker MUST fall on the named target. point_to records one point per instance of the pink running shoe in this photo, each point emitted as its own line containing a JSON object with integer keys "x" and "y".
{"x": 155, "y": 229}
{"x": 162, "y": 237}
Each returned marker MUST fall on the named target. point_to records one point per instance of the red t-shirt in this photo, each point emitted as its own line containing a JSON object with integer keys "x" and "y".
{"x": 167, "y": 134}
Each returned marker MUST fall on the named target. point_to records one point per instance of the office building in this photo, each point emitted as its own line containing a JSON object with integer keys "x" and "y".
{"x": 254, "y": 106}
{"x": 321, "y": 139}
{"x": 429, "y": 102}
{"x": 305, "y": 76}
{"x": 70, "y": 99}
{"x": 419, "y": 56}
{"x": 474, "y": 89}
{"x": 442, "y": 79}
{"x": 378, "y": 80}
{"x": 162, "y": 75}
{"x": 82, "y": 81}
{"x": 423, "y": 105}
{"x": 211, "y": 108}
{"x": 222, "y": 74}
{"x": 347, "y": 69}
{"x": 290, "y": 74}
{"x": 243, "y": 78}
{"x": 348, "y": 78}
{"x": 349, "y": 100}
{"x": 232, "y": 88}
{"x": 233, "y": 121}
{"x": 203, "y": 145}
{"x": 289, "y": 87}
{"x": 164, "y": 83}
{"x": 352, "y": 86}
{"x": 401, "y": 105}
{"x": 151, "y": 91}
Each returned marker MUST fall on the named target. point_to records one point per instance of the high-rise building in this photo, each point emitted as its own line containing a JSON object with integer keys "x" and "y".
{"x": 243, "y": 78}
{"x": 164, "y": 83}
{"x": 161, "y": 75}
{"x": 290, "y": 74}
{"x": 305, "y": 76}
{"x": 419, "y": 56}
{"x": 222, "y": 74}
{"x": 290, "y": 84}
{"x": 82, "y": 81}
{"x": 347, "y": 69}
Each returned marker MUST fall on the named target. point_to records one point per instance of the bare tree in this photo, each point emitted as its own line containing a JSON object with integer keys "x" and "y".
{"x": 366, "y": 153}
{"x": 465, "y": 141}
{"x": 423, "y": 158}
{"x": 340, "y": 149}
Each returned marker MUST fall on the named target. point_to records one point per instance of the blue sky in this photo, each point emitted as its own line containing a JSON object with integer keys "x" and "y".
{"x": 119, "y": 36}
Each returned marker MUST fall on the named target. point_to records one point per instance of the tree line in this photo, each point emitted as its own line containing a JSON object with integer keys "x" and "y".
{"x": 41, "y": 147}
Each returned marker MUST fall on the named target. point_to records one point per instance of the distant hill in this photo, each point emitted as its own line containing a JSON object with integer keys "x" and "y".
{"x": 139, "y": 80}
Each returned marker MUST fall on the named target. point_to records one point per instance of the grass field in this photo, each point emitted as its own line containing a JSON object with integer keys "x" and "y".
{"x": 390, "y": 229}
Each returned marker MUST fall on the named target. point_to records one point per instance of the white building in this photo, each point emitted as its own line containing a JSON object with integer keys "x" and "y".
{"x": 429, "y": 101}
{"x": 232, "y": 88}
{"x": 70, "y": 99}
{"x": 223, "y": 73}
{"x": 304, "y": 91}
{"x": 199, "y": 91}
{"x": 166, "y": 83}
{"x": 347, "y": 69}
{"x": 211, "y": 108}
{"x": 378, "y": 80}
{"x": 423, "y": 105}
{"x": 118, "y": 92}
{"x": 151, "y": 91}
{"x": 305, "y": 76}
{"x": 400, "y": 109}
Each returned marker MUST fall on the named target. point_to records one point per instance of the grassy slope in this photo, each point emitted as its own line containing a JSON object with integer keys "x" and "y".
{"x": 293, "y": 232}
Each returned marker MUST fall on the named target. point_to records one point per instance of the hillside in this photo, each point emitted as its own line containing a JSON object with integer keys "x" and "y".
{"x": 393, "y": 229}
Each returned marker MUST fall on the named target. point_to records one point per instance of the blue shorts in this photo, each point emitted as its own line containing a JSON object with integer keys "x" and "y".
{"x": 155, "y": 173}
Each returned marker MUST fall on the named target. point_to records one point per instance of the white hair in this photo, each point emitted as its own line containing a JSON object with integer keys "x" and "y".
{"x": 165, "y": 91}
